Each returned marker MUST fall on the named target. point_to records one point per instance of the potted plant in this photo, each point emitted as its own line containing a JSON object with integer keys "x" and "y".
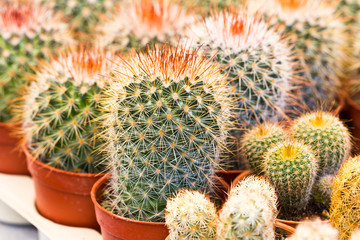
{"x": 168, "y": 112}
{"x": 59, "y": 133}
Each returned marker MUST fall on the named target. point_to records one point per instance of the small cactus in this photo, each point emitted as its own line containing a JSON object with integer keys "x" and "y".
{"x": 327, "y": 136}
{"x": 345, "y": 204}
{"x": 60, "y": 108}
{"x": 27, "y": 33}
{"x": 315, "y": 230}
{"x": 249, "y": 212}
{"x": 190, "y": 215}
{"x": 323, "y": 190}
{"x": 257, "y": 141}
{"x": 355, "y": 235}
{"x": 291, "y": 166}
{"x": 167, "y": 113}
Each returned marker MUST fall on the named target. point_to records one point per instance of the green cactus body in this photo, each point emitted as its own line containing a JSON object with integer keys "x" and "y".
{"x": 191, "y": 215}
{"x": 323, "y": 189}
{"x": 315, "y": 230}
{"x": 328, "y": 137}
{"x": 319, "y": 35}
{"x": 27, "y": 34}
{"x": 138, "y": 23}
{"x": 60, "y": 108}
{"x": 257, "y": 141}
{"x": 345, "y": 204}
{"x": 248, "y": 213}
{"x": 291, "y": 166}
{"x": 170, "y": 111}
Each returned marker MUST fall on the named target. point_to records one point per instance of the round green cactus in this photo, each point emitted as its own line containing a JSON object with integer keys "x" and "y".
{"x": 292, "y": 166}
{"x": 315, "y": 230}
{"x": 328, "y": 137}
{"x": 27, "y": 33}
{"x": 167, "y": 113}
{"x": 257, "y": 141}
{"x": 60, "y": 108}
{"x": 191, "y": 215}
{"x": 323, "y": 189}
{"x": 249, "y": 212}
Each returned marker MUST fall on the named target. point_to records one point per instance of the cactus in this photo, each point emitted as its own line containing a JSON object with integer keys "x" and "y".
{"x": 258, "y": 141}
{"x": 355, "y": 235}
{"x": 249, "y": 213}
{"x": 190, "y": 215}
{"x": 138, "y": 23}
{"x": 27, "y": 33}
{"x": 328, "y": 137}
{"x": 60, "y": 108}
{"x": 167, "y": 113}
{"x": 320, "y": 35}
{"x": 206, "y": 7}
{"x": 345, "y": 204}
{"x": 323, "y": 189}
{"x": 315, "y": 230}
{"x": 291, "y": 166}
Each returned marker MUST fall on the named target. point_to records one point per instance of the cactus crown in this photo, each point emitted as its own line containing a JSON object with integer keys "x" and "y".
{"x": 345, "y": 197}
{"x": 60, "y": 108}
{"x": 168, "y": 112}
{"x": 191, "y": 215}
{"x": 315, "y": 230}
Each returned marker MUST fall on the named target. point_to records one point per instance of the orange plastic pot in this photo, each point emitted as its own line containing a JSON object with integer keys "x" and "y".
{"x": 240, "y": 177}
{"x": 114, "y": 227}
{"x": 12, "y": 159}
{"x": 354, "y": 113}
{"x": 63, "y": 197}
{"x": 229, "y": 175}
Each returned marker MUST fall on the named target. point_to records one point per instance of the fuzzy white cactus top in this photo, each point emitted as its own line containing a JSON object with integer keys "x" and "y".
{"x": 315, "y": 230}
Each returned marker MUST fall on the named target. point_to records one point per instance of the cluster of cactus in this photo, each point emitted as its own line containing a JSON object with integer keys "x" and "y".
{"x": 60, "y": 108}
{"x": 191, "y": 215}
{"x": 137, "y": 23}
{"x": 250, "y": 211}
{"x": 323, "y": 190}
{"x": 168, "y": 111}
{"x": 345, "y": 204}
{"x": 315, "y": 230}
{"x": 320, "y": 36}
{"x": 27, "y": 33}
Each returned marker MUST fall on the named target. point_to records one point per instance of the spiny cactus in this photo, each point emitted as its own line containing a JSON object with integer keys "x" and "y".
{"x": 60, "y": 108}
{"x": 323, "y": 189}
{"x": 315, "y": 230}
{"x": 206, "y": 7}
{"x": 327, "y": 136}
{"x": 320, "y": 35}
{"x": 291, "y": 166}
{"x": 137, "y": 23}
{"x": 345, "y": 204}
{"x": 27, "y": 33}
{"x": 257, "y": 141}
{"x": 191, "y": 215}
{"x": 249, "y": 213}
{"x": 169, "y": 111}
{"x": 355, "y": 235}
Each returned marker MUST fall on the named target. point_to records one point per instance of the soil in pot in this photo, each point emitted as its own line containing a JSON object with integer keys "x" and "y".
{"x": 61, "y": 196}
{"x": 12, "y": 159}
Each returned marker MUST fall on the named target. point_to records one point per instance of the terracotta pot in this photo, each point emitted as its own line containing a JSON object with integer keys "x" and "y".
{"x": 229, "y": 175}
{"x": 12, "y": 159}
{"x": 354, "y": 113}
{"x": 114, "y": 227}
{"x": 240, "y": 177}
{"x": 221, "y": 189}
{"x": 61, "y": 196}
{"x": 289, "y": 226}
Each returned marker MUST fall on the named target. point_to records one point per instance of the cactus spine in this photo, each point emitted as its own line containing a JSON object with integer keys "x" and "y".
{"x": 191, "y": 215}
{"x": 323, "y": 190}
{"x": 60, "y": 108}
{"x": 291, "y": 166}
{"x": 257, "y": 141}
{"x": 315, "y": 230}
{"x": 250, "y": 211}
{"x": 27, "y": 33}
{"x": 328, "y": 137}
{"x": 169, "y": 111}
{"x": 345, "y": 204}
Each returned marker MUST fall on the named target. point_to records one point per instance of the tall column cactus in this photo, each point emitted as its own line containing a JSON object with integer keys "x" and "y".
{"x": 328, "y": 137}
{"x": 291, "y": 166}
{"x": 60, "y": 108}
{"x": 27, "y": 33}
{"x": 168, "y": 112}
{"x": 345, "y": 204}
{"x": 250, "y": 211}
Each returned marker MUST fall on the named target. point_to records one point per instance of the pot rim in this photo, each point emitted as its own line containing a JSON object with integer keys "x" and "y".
{"x": 93, "y": 192}
{"x": 296, "y": 222}
{"x": 57, "y": 170}
{"x": 7, "y": 124}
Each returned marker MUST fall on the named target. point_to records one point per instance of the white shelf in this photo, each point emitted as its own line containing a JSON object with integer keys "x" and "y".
{"x": 18, "y": 193}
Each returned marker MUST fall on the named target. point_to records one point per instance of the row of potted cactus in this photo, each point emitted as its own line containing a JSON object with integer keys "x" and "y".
{"x": 163, "y": 120}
